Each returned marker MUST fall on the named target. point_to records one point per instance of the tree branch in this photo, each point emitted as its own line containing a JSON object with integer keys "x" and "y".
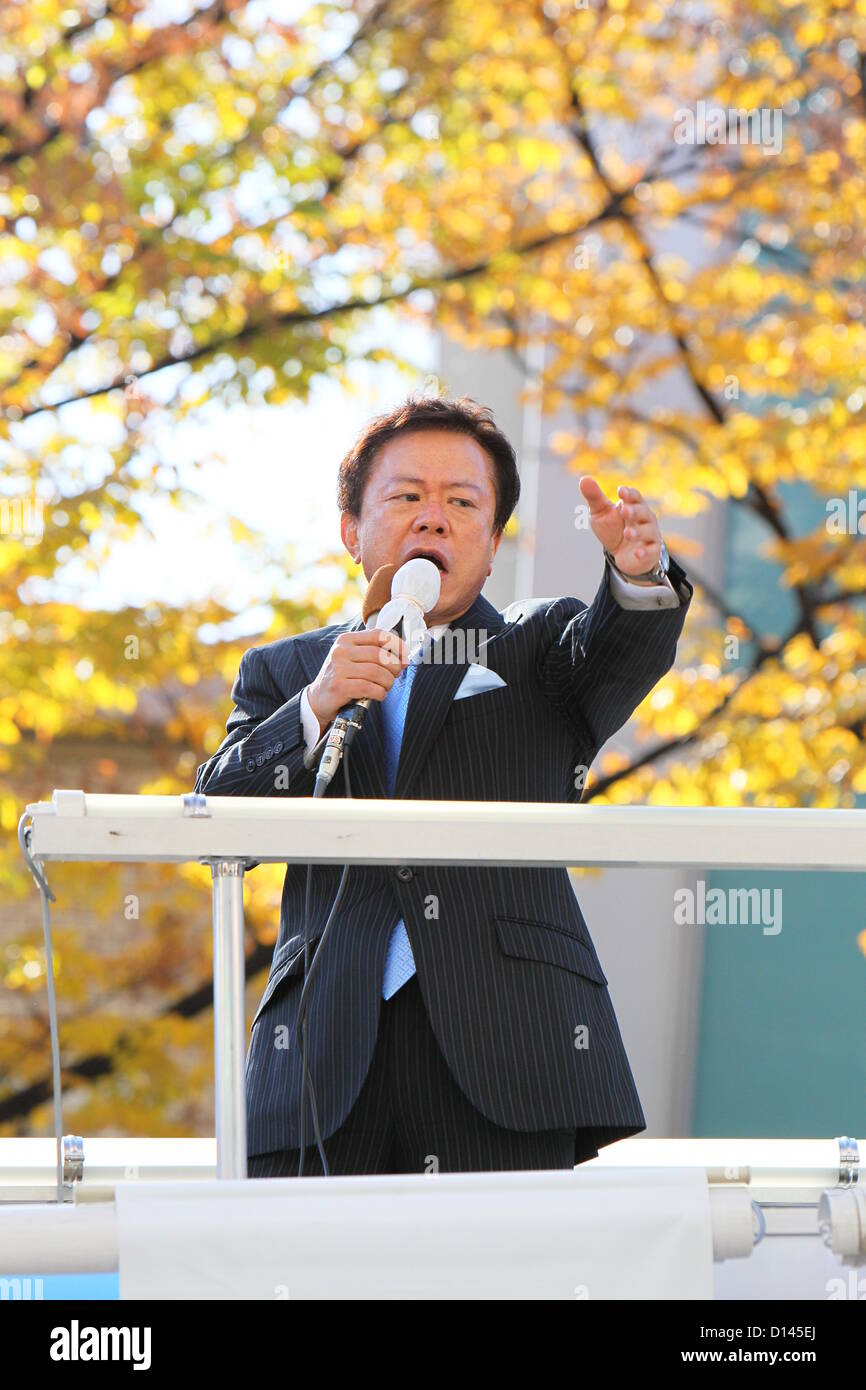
{"x": 97, "y": 1064}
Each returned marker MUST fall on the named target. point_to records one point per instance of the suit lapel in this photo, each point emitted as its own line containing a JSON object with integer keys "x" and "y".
{"x": 435, "y": 684}
{"x": 367, "y": 755}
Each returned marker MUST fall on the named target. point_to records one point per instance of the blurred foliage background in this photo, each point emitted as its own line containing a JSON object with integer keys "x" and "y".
{"x": 217, "y": 196}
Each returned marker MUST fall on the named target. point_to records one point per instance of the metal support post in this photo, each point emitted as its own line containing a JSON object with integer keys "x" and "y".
{"x": 229, "y": 979}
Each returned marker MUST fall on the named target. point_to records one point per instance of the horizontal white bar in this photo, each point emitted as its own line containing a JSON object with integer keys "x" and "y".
{"x": 369, "y": 831}
{"x": 28, "y": 1165}
{"x": 787, "y": 1167}
{"x": 58, "y": 1239}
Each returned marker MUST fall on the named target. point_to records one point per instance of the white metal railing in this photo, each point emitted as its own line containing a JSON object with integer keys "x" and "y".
{"x": 229, "y": 833}
{"x": 756, "y": 1188}
{"x": 800, "y": 1168}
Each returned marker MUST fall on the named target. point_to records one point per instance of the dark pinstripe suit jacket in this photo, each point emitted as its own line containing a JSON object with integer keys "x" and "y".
{"x": 506, "y": 965}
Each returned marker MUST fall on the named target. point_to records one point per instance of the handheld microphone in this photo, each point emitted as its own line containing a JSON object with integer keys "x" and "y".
{"x": 414, "y": 590}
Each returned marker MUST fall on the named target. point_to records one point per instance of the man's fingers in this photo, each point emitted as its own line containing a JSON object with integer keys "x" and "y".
{"x": 359, "y": 689}
{"x": 377, "y": 660}
{"x": 638, "y": 519}
{"x": 377, "y": 639}
{"x": 369, "y": 671}
{"x": 372, "y": 636}
{"x": 593, "y": 494}
{"x": 645, "y": 529}
{"x": 391, "y": 643}
{"x": 397, "y": 646}
{"x": 641, "y": 510}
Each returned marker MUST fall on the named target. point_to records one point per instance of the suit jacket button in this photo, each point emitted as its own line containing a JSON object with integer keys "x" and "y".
{"x": 277, "y": 746}
{"x": 405, "y": 874}
{"x": 251, "y": 767}
{"x": 260, "y": 757}
{"x": 269, "y": 752}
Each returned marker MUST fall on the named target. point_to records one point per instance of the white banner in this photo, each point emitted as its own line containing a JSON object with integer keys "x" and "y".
{"x": 584, "y": 1235}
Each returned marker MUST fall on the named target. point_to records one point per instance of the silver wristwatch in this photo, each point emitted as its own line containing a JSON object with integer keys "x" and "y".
{"x": 657, "y": 575}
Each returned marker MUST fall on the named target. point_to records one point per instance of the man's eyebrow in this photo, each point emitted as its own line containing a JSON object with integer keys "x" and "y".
{"x": 458, "y": 482}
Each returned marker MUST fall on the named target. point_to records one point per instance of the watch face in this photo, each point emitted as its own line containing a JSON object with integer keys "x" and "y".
{"x": 664, "y": 558}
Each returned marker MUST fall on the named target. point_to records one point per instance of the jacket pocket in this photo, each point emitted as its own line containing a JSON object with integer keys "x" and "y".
{"x": 288, "y": 964}
{"x": 552, "y": 945}
{"x": 496, "y": 700}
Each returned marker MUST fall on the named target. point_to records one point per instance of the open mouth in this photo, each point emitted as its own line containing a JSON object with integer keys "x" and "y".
{"x": 429, "y": 555}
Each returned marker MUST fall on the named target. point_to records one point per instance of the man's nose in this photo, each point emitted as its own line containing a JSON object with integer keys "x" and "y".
{"x": 430, "y": 517}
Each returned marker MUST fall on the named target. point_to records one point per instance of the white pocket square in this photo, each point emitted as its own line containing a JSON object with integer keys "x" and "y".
{"x": 477, "y": 679}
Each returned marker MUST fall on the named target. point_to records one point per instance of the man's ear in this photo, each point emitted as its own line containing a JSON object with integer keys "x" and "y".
{"x": 494, "y": 546}
{"x": 349, "y": 535}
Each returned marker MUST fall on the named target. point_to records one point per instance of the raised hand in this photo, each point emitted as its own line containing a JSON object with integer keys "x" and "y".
{"x": 628, "y": 529}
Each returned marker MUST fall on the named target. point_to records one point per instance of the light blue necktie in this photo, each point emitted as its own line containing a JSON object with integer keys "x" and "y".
{"x": 399, "y": 962}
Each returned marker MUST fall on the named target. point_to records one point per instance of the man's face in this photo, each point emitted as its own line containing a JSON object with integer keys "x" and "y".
{"x": 433, "y": 491}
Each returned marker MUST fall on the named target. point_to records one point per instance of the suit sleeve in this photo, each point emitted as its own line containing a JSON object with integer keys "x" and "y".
{"x": 263, "y": 751}
{"x": 597, "y": 663}
{"x": 641, "y": 596}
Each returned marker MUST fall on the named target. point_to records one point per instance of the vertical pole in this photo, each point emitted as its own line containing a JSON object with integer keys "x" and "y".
{"x": 526, "y": 559}
{"x": 229, "y": 978}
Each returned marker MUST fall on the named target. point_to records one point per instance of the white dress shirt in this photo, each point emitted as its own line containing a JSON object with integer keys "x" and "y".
{"x": 633, "y": 596}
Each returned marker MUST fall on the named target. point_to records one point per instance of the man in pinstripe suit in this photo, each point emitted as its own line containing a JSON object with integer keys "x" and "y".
{"x": 459, "y": 1018}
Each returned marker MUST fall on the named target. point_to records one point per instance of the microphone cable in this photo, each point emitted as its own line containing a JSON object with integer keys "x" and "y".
{"x": 352, "y": 722}
{"x": 306, "y": 1086}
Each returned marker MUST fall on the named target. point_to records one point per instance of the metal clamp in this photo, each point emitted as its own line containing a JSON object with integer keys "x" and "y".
{"x": 759, "y": 1229}
{"x": 73, "y": 1159}
{"x": 849, "y": 1161}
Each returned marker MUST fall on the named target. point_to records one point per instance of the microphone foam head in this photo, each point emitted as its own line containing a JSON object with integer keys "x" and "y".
{"x": 418, "y": 579}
